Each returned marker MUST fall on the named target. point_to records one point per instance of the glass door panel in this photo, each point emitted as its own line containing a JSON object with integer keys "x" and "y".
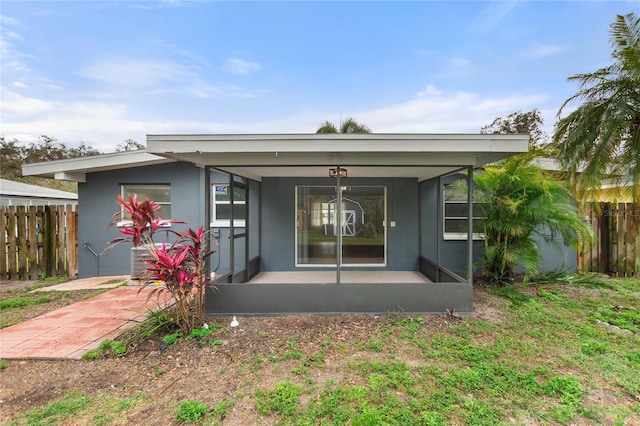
{"x": 316, "y": 239}
{"x": 361, "y": 224}
{"x": 363, "y": 232}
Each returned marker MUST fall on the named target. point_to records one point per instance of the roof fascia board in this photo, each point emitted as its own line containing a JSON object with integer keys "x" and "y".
{"x": 167, "y": 144}
{"x": 75, "y": 168}
{"x": 344, "y": 158}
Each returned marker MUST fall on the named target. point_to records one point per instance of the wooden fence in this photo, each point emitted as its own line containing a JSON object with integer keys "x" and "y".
{"x": 38, "y": 241}
{"x": 616, "y": 249}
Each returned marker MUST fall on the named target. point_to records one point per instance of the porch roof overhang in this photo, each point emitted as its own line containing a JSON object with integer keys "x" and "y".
{"x": 76, "y": 169}
{"x": 256, "y": 156}
{"x": 421, "y": 156}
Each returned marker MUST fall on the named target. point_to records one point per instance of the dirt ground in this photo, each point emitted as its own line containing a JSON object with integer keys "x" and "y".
{"x": 187, "y": 370}
{"x": 209, "y": 374}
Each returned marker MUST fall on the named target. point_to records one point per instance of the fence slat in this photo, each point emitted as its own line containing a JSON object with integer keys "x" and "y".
{"x": 21, "y": 241}
{"x": 4, "y": 258}
{"x": 617, "y": 249}
{"x": 72, "y": 239}
{"x": 61, "y": 241}
{"x": 11, "y": 242}
{"x": 32, "y": 248}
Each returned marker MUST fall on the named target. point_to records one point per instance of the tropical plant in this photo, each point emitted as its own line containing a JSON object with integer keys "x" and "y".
{"x": 522, "y": 203}
{"x": 601, "y": 138}
{"x": 348, "y": 126}
{"x": 179, "y": 265}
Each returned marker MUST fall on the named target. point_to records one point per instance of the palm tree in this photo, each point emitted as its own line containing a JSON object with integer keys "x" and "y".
{"x": 522, "y": 204}
{"x": 601, "y": 138}
{"x": 348, "y": 126}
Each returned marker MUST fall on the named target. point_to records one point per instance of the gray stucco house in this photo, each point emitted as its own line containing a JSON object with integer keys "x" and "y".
{"x": 270, "y": 201}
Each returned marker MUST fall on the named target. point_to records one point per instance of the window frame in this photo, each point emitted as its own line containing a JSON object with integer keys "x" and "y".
{"x": 477, "y": 236}
{"x": 125, "y": 223}
{"x": 226, "y": 223}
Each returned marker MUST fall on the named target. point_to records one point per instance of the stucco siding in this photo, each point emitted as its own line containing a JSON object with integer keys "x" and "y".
{"x": 98, "y": 203}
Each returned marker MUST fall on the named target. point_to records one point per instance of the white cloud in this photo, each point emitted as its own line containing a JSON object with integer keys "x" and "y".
{"x": 159, "y": 77}
{"x": 492, "y": 15}
{"x": 18, "y": 107}
{"x": 131, "y": 73}
{"x": 447, "y": 112}
{"x": 104, "y": 124}
{"x": 429, "y": 91}
{"x": 19, "y": 85}
{"x": 241, "y": 66}
{"x": 542, "y": 51}
{"x": 460, "y": 62}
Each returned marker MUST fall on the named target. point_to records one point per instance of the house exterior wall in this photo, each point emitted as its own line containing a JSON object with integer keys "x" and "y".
{"x": 453, "y": 252}
{"x": 278, "y": 222}
{"x": 98, "y": 203}
{"x": 272, "y": 221}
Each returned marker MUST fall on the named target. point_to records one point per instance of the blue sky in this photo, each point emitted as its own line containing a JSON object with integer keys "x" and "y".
{"x": 103, "y": 72}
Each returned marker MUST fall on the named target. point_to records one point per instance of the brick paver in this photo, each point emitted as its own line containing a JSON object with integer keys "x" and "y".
{"x": 69, "y": 332}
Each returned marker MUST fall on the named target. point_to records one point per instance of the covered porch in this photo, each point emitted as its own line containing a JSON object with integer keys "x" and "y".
{"x": 285, "y": 245}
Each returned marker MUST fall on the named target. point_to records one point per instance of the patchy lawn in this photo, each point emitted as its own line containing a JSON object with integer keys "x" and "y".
{"x": 547, "y": 353}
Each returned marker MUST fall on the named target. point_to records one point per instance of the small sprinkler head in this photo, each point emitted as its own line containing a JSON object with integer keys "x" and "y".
{"x": 234, "y": 322}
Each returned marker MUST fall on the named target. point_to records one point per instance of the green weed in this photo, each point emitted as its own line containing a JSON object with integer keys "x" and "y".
{"x": 200, "y": 333}
{"x": 566, "y": 388}
{"x": 221, "y": 409}
{"x": 514, "y": 295}
{"x": 624, "y": 317}
{"x": 593, "y": 347}
{"x": 282, "y": 400}
{"x": 551, "y": 295}
{"x": 21, "y": 301}
{"x": 633, "y": 356}
{"x": 172, "y": 338}
{"x": 59, "y": 410}
{"x": 107, "y": 347}
{"x": 374, "y": 346}
{"x": 191, "y": 411}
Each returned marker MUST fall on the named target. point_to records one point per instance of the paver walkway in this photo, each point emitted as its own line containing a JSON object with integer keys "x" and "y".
{"x": 69, "y": 332}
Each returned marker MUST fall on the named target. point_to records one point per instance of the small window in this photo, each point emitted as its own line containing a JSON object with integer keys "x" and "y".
{"x": 221, "y": 213}
{"x": 456, "y": 213}
{"x": 161, "y": 194}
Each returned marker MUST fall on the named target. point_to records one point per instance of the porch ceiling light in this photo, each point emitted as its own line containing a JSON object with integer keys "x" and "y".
{"x": 338, "y": 171}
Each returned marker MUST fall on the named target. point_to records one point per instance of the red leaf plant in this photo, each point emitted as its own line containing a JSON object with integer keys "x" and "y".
{"x": 179, "y": 265}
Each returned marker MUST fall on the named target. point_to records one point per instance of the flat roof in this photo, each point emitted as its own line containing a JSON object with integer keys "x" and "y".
{"x": 262, "y": 155}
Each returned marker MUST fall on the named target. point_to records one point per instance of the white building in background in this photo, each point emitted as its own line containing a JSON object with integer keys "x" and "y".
{"x": 21, "y": 194}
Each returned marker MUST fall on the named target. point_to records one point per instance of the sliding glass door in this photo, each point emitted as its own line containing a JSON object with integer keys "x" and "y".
{"x": 360, "y": 223}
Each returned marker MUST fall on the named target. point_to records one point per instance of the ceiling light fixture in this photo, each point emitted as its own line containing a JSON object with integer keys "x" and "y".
{"x": 334, "y": 172}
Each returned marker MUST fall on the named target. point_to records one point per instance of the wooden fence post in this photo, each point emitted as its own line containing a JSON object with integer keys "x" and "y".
{"x": 4, "y": 259}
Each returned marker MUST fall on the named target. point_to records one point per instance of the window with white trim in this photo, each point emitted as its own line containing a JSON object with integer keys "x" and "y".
{"x": 456, "y": 213}
{"x": 221, "y": 212}
{"x": 161, "y": 194}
